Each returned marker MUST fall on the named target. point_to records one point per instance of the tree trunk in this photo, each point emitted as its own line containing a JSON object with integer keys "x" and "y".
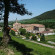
{"x": 6, "y": 36}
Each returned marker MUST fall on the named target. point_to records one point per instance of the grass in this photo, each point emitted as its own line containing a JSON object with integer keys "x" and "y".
{"x": 50, "y": 38}
{"x": 1, "y": 34}
{"x": 22, "y": 47}
{"x": 35, "y": 48}
{"x": 2, "y": 52}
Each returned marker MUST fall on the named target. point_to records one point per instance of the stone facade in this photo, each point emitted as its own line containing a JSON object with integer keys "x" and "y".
{"x": 35, "y": 28}
{"x": 17, "y": 25}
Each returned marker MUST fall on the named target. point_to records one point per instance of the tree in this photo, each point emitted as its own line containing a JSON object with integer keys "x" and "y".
{"x": 13, "y": 32}
{"x": 22, "y": 31}
{"x": 8, "y": 6}
{"x": 27, "y": 35}
{"x": 42, "y": 37}
{"x": 34, "y": 37}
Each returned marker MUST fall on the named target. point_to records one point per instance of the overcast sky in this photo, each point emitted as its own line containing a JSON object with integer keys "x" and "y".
{"x": 37, "y": 7}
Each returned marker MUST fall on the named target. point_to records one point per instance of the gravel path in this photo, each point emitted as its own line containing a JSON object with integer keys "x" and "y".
{"x": 51, "y": 42}
{"x": 46, "y": 45}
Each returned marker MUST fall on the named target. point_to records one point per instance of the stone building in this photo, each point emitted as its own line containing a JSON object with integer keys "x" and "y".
{"x": 17, "y": 25}
{"x": 34, "y": 28}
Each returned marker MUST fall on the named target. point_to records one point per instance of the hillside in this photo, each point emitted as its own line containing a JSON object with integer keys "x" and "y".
{"x": 46, "y": 15}
{"x": 47, "y": 18}
{"x": 18, "y": 46}
{"x": 49, "y": 15}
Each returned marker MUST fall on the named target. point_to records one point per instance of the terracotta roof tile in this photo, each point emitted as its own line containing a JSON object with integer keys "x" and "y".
{"x": 38, "y": 25}
{"x": 13, "y": 29}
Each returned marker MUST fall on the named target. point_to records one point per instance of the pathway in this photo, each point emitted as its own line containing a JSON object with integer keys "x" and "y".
{"x": 51, "y": 42}
{"x": 42, "y": 44}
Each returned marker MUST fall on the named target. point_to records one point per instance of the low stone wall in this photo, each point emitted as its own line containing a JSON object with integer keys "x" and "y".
{"x": 49, "y": 34}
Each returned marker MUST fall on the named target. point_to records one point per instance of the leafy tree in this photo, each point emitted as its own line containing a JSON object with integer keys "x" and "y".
{"x": 42, "y": 37}
{"x": 8, "y": 6}
{"x": 28, "y": 35}
{"x": 33, "y": 37}
{"x": 22, "y": 31}
{"x": 13, "y": 32}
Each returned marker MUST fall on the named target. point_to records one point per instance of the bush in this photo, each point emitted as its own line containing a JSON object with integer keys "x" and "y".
{"x": 39, "y": 35}
{"x": 42, "y": 37}
{"x": 33, "y": 37}
{"x": 54, "y": 30}
{"x": 13, "y": 32}
{"x": 27, "y": 35}
{"x": 22, "y": 31}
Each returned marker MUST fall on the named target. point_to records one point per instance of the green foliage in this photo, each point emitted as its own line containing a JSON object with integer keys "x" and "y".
{"x": 1, "y": 24}
{"x": 29, "y": 21}
{"x": 50, "y": 38}
{"x": 48, "y": 24}
{"x": 47, "y": 18}
{"x": 46, "y": 15}
{"x": 42, "y": 37}
{"x": 22, "y": 31}
{"x": 32, "y": 34}
{"x": 54, "y": 30}
{"x": 39, "y": 36}
{"x": 34, "y": 38}
{"x": 36, "y": 48}
{"x": 27, "y": 47}
{"x": 1, "y": 34}
{"x": 28, "y": 35}
{"x": 13, "y": 32}
{"x": 2, "y": 52}
{"x": 2, "y": 29}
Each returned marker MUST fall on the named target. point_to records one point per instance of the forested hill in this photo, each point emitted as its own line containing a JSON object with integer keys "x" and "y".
{"x": 47, "y": 18}
{"x": 46, "y": 15}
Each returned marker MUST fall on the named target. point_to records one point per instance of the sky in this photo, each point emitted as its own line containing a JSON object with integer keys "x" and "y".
{"x": 37, "y": 7}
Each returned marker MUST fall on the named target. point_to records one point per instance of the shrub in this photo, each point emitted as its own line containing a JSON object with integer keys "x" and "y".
{"x": 54, "y": 30}
{"x": 39, "y": 36}
{"x": 27, "y": 35}
{"x": 22, "y": 31}
{"x": 42, "y": 37}
{"x": 13, "y": 32}
{"x": 33, "y": 37}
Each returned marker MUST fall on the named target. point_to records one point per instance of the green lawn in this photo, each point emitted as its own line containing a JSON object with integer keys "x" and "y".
{"x": 50, "y": 38}
{"x": 1, "y": 34}
{"x": 35, "y": 49}
{"x": 22, "y": 47}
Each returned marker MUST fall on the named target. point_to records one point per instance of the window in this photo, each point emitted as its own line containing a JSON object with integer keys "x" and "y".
{"x": 36, "y": 28}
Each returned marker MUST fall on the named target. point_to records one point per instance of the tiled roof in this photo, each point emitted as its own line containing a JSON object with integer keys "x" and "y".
{"x": 38, "y": 25}
{"x": 28, "y": 25}
{"x": 47, "y": 32}
{"x": 13, "y": 29}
